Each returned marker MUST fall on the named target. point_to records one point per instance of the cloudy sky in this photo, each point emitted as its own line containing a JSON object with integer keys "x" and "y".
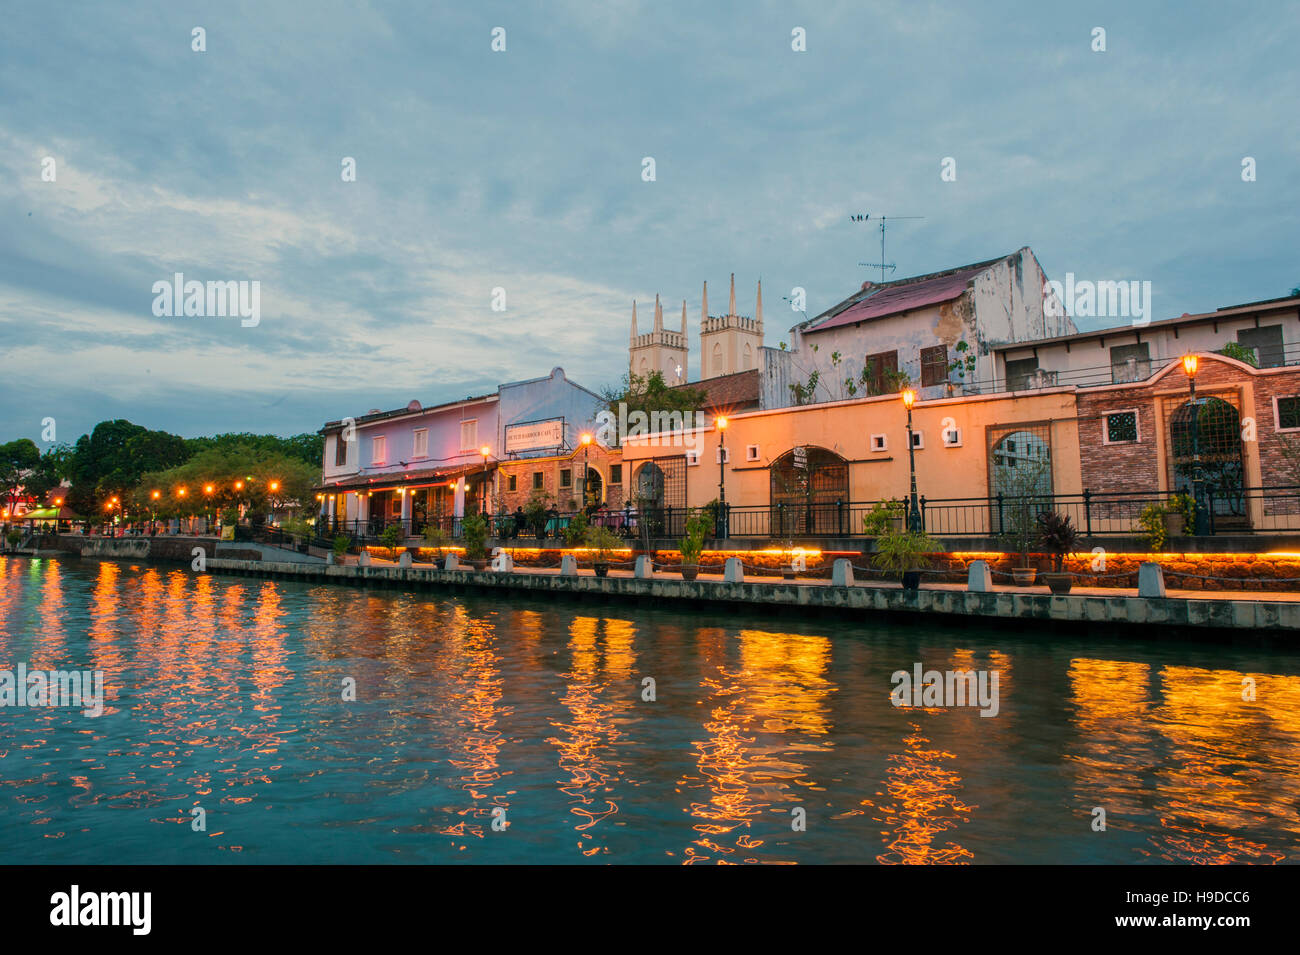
{"x": 522, "y": 170}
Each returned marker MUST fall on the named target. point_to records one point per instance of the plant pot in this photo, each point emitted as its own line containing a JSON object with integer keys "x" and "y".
{"x": 1174, "y": 524}
{"x": 480, "y": 564}
{"x": 1023, "y": 576}
{"x": 788, "y": 574}
{"x": 689, "y": 571}
{"x": 1058, "y": 583}
{"x": 601, "y": 568}
{"x": 912, "y": 580}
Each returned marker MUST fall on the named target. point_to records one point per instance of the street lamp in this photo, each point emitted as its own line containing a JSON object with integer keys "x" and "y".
{"x": 723, "y": 532}
{"x": 1202, "y": 520}
{"x": 586, "y": 444}
{"x": 485, "y": 451}
{"x": 153, "y": 511}
{"x": 914, "y": 509}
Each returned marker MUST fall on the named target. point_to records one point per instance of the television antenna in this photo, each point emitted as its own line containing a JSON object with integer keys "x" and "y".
{"x": 883, "y": 266}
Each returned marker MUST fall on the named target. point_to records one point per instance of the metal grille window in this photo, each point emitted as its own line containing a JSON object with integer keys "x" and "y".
{"x": 1288, "y": 412}
{"x": 934, "y": 365}
{"x": 1121, "y": 427}
{"x": 808, "y": 487}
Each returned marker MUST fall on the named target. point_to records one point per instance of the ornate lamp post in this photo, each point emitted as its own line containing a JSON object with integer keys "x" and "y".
{"x": 586, "y": 445}
{"x": 914, "y": 508}
{"x": 1202, "y": 521}
{"x": 153, "y": 511}
{"x": 485, "y": 451}
{"x": 723, "y": 531}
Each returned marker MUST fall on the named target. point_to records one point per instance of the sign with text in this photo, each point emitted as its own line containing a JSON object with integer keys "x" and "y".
{"x": 535, "y": 434}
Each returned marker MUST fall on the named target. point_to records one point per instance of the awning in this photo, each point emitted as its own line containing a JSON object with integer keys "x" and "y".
{"x": 384, "y": 482}
{"x": 49, "y": 514}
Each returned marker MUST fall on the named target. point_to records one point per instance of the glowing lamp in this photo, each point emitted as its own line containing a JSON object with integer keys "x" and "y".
{"x": 722, "y": 424}
{"x": 274, "y": 485}
{"x": 909, "y": 398}
{"x": 1189, "y": 365}
{"x": 586, "y": 439}
{"x": 485, "y": 450}
{"x": 207, "y": 489}
{"x": 156, "y": 494}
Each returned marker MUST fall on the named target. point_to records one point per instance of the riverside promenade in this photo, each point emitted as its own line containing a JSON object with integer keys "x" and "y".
{"x": 1237, "y": 617}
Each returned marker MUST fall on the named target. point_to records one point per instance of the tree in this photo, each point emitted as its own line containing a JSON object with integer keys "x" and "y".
{"x": 17, "y": 461}
{"x": 650, "y": 393}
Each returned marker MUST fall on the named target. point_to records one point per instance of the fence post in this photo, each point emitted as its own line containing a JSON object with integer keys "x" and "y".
{"x": 922, "y": 513}
{"x": 1209, "y": 503}
{"x": 1000, "y": 514}
{"x": 839, "y": 517}
{"x": 1087, "y": 511}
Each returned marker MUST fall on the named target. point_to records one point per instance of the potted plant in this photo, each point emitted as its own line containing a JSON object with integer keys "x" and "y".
{"x": 904, "y": 554}
{"x": 436, "y": 538}
{"x": 1179, "y": 515}
{"x": 341, "y": 544}
{"x": 391, "y": 538}
{"x": 885, "y": 517}
{"x": 1057, "y": 536}
{"x": 474, "y": 532}
{"x": 535, "y": 513}
{"x": 604, "y": 542}
{"x": 1151, "y": 524}
{"x": 575, "y": 532}
{"x": 692, "y": 545}
{"x": 1024, "y": 499}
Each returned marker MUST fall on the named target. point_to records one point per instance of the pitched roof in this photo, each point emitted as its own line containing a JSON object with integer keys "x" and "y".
{"x": 737, "y": 390}
{"x": 877, "y": 300}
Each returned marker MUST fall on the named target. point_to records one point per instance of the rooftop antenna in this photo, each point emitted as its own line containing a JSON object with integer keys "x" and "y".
{"x": 883, "y": 266}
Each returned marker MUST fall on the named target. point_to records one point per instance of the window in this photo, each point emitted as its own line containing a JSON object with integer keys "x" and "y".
{"x": 1130, "y": 363}
{"x": 379, "y": 450}
{"x": 878, "y": 366}
{"x": 1021, "y": 373}
{"x": 566, "y": 477}
{"x": 1121, "y": 427}
{"x": 421, "y": 448}
{"x": 717, "y": 358}
{"x": 952, "y": 437}
{"x": 537, "y": 480}
{"x": 879, "y": 442}
{"x": 512, "y": 483}
{"x": 934, "y": 365}
{"x": 616, "y": 474}
{"x": 1267, "y": 342}
{"x": 918, "y": 439}
{"x": 1287, "y": 412}
{"x": 469, "y": 435}
{"x": 340, "y": 451}
{"x": 751, "y": 452}
{"x": 692, "y": 458}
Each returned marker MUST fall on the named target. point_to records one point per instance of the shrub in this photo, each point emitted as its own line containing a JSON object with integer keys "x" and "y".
{"x": 692, "y": 545}
{"x": 341, "y": 544}
{"x": 1057, "y": 536}
{"x": 474, "y": 532}
{"x": 879, "y": 521}
{"x": 391, "y": 537}
{"x": 576, "y": 530}
{"x": 1152, "y": 523}
{"x": 603, "y": 541}
{"x": 904, "y": 551}
{"x": 1185, "y": 505}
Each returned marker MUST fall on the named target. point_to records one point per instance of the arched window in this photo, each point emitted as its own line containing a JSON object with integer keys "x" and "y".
{"x": 717, "y": 358}
{"x": 748, "y": 361}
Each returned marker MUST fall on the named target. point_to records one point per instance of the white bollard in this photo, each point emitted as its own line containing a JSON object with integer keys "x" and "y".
{"x": 404, "y": 559}
{"x": 1151, "y": 579}
{"x": 645, "y": 568}
{"x": 733, "y": 572}
{"x": 842, "y": 573}
{"x": 979, "y": 577}
{"x": 568, "y": 566}
{"x": 451, "y": 562}
{"x": 363, "y": 560}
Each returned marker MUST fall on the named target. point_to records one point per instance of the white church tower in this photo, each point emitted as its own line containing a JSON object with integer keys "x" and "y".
{"x": 659, "y": 349}
{"x": 730, "y": 343}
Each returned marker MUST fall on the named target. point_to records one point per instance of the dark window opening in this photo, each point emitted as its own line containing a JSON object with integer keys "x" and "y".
{"x": 934, "y": 365}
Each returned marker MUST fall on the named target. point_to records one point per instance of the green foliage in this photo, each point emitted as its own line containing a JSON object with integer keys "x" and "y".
{"x": 391, "y": 537}
{"x": 341, "y": 544}
{"x": 903, "y": 551}
{"x": 15, "y": 537}
{"x": 1239, "y": 352}
{"x": 803, "y": 394}
{"x": 880, "y": 520}
{"x": 1185, "y": 505}
{"x": 965, "y": 363}
{"x": 1152, "y": 523}
{"x": 698, "y": 526}
{"x": 603, "y": 541}
{"x": 474, "y": 534}
{"x": 535, "y": 511}
{"x": 576, "y": 530}
{"x": 435, "y": 537}
{"x": 650, "y": 393}
{"x": 297, "y": 527}
{"x": 17, "y": 459}
{"x": 1023, "y": 501}
{"x": 1057, "y": 536}
{"x": 308, "y": 448}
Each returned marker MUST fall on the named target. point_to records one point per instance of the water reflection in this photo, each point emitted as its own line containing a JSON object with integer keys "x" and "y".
{"x": 232, "y": 695}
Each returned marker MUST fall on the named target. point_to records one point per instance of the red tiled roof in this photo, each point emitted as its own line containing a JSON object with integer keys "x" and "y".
{"x": 732, "y": 392}
{"x": 891, "y": 298}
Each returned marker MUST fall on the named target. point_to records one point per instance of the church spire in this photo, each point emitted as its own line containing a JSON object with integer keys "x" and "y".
{"x": 704, "y": 305}
{"x": 731, "y": 307}
{"x": 659, "y": 315}
{"x": 683, "y": 318}
{"x": 758, "y": 309}
{"x": 633, "y": 338}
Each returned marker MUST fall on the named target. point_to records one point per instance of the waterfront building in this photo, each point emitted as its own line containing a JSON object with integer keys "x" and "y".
{"x": 416, "y": 464}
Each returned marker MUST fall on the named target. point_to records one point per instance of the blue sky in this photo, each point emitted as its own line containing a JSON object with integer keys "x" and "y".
{"x": 522, "y": 170}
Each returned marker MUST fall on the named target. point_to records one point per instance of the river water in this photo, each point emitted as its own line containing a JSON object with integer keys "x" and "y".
{"x": 489, "y": 731}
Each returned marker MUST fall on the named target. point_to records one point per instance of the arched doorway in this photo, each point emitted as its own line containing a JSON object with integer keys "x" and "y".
{"x": 593, "y": 488}
{"x": 809, "y": 492}
{"x": 1207, "y": 436}
{"x": 1020, "y": 479}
